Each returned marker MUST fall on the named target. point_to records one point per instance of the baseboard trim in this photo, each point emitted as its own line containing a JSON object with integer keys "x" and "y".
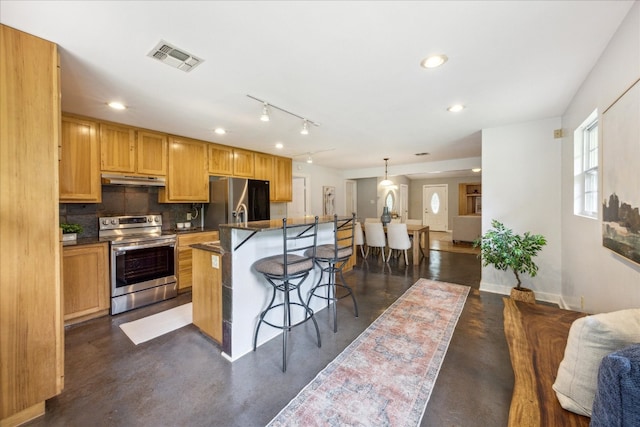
{"x": 23, "y": 416}
{"x": 506, "y": 290}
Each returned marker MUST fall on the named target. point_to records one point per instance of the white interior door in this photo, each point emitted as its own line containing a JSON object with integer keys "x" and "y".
{"x": 404, "y": 202}
{"x": 299, "y": 205}
{"x": 435, "y": 207}
{"x": 351, "y": 197}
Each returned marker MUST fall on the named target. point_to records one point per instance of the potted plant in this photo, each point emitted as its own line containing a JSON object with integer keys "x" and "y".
{"x": 70, "y": 231}
{"x": 504, "y": 249}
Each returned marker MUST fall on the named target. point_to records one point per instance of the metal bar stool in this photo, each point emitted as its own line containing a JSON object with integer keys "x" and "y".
{"x": 331, "y": 259}
{"x": 286, "y": 272}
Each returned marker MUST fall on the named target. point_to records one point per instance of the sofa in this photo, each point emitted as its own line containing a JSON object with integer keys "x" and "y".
{"x": 466, "y": 228}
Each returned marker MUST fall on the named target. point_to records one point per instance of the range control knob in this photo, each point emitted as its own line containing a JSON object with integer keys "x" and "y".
{"x": 105, "y": 222}
{"x": 114, "y": 221}
{"x": 156, "y": 218}
{"x": 149, "y": 219}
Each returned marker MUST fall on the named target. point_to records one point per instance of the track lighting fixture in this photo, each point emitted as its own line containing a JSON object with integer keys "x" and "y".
{"x": 265, "y": 117}
{"x": 265, "y": 112}
{"x": 386, "y": 181}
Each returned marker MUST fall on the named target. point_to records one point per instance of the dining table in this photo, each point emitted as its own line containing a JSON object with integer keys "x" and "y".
{"x": 420, "y": 234}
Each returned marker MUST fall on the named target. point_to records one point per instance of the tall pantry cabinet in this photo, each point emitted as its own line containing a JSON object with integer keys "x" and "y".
{"x": 31, "y": 327}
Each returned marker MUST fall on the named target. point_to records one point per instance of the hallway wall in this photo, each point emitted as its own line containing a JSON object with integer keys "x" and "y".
{"x": 605, "y": 281}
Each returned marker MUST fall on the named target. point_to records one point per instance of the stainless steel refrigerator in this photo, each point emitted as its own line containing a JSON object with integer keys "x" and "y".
{"x": 230, "y": 198}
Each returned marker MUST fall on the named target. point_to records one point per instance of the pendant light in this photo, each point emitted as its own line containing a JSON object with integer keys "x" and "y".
{"x": 386, "y": 181}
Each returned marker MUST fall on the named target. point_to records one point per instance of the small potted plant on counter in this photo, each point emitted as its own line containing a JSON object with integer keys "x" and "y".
{"x": 70, "y": 231}
{"x": 504, "y": 249}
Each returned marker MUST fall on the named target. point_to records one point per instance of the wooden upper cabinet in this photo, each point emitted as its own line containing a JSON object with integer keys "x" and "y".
{"x": 117, "y": 148}
{"x": 151, "y": 150}
{"x": 79, "y": 169}
{"x": 243, "y": 163}
{"x": 187, "y": 177}
{"x": 283, "y": 176}
{"x": 220, "y": 160}
{"x": 264, "y": 169}
{"x": 264, "y": 165}
{"x": 125, "y": 149}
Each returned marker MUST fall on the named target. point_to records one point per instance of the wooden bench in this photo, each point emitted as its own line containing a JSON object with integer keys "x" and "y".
{"x": 537, "y": 335}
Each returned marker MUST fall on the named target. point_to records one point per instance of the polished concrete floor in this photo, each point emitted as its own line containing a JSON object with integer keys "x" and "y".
{"x": 180, "y": 379}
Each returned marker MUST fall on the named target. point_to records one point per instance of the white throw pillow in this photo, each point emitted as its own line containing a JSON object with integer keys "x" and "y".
{"x": 590, "y": 339}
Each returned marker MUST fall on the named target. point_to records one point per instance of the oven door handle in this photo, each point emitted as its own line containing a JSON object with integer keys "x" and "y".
{"x": 120, "y": 250}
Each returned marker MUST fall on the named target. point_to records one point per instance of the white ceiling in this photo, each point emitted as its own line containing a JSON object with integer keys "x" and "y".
{"x": 352, "y": 66}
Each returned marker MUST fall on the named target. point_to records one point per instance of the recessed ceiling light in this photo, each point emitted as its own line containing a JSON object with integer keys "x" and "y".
{"x": 220, "y": 131}
{"x": 433, "y": 61}
{"x": 279, "y": 145}
{"x": 476, "y": 170}
{"x": 456, "y": 108}
{"x": 117, "y": 105}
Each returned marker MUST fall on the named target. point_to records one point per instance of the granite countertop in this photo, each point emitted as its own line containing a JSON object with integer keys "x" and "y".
{"x": 276, "y": 224}
{"x": 180, "y": 231}
{"x": 84, "y": 241}
{"x": 209, "y": 246}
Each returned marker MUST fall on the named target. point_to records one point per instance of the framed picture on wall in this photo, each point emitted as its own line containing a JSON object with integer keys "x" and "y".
{"x": 328, "y": 200}
{"x": 620, "y": 183}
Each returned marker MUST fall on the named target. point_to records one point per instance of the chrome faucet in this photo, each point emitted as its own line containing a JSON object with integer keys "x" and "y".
{"x": 242, "y": 210}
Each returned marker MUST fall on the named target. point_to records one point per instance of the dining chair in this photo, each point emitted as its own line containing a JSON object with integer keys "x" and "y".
{"x": 374, "y": 235}
{"x": 398, "y": 239}
{"x": 358, "y": 237}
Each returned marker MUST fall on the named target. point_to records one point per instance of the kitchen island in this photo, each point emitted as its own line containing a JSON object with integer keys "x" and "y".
{"x": 245, "y": 293}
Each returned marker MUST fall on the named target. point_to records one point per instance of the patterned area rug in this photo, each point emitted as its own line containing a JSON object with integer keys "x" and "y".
{"x": 385, "y": 376}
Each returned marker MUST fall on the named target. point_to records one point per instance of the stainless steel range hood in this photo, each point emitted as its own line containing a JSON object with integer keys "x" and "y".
{"x": 121, "y": 179}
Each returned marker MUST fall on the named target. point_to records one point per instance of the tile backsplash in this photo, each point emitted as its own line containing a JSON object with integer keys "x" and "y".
{"x": 123, "y": 200}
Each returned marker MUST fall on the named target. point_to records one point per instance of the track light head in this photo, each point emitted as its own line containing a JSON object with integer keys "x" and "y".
{"x": 265, "y": 112}
{"x": 305, "y": 127}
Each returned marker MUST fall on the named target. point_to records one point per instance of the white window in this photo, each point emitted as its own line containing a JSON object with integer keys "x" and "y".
{"x": 585, "y": 167}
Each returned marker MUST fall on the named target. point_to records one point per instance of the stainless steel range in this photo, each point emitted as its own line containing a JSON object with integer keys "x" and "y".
{"x": 142, "y": 261}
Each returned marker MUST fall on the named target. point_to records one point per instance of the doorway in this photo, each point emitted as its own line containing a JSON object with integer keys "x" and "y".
{"x": 351, "y": 197}
{"x": 435, "y": 207}
{"x": 404, "y": 202}
{"x": 299, "y": 204}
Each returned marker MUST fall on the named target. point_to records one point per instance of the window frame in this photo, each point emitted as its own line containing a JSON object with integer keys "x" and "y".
{"x": 586, "y": 167}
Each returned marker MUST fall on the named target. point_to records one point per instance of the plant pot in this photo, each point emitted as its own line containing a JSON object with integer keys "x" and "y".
{"x": 523, "y": 294}
{"x": 69, "y": 237}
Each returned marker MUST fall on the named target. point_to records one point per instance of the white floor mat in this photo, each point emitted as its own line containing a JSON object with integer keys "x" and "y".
{"x": 150, "y": 327}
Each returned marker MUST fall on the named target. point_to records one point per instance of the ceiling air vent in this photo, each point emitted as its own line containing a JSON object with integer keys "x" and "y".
{"x": 174, "y": 57}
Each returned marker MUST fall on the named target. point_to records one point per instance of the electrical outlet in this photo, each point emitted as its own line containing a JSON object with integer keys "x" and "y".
{"x": 215, "y": 261}
{"x": 189, "y": 216}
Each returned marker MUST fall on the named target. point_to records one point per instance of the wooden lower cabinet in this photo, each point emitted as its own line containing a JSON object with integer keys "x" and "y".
{"x": 86, "y": 282}
{"x": 185, "y": 274}
{"x": 207, "y": 293}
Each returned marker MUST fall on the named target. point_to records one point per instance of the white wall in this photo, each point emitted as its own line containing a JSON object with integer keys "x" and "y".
{"x": 321, "y": 176}
{"x": 520, "y": 188}
{"x": 605, "y": 280}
